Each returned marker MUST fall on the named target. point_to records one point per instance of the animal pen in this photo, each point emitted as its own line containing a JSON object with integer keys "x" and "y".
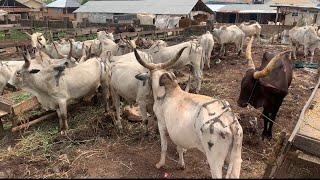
{"x": 305, "y": 135}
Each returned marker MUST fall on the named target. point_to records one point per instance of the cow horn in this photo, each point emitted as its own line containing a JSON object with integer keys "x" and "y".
{"x": 172, "y": 61}
{"x": 152, "y": 66}
{"x": 265, "y": 71}
{"x": 144, "y": 64}
{"x": 26, "y": 58}
{"x": 249, "y": 54}
{"x": 54, "y": 45}
{"x": 100, "y": 49}
{"x": 28, "y": 34}
{"x": 70, "y": 52}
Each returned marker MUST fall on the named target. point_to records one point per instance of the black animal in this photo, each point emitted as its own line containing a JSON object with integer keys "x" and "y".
{"x": 266, "y": 86}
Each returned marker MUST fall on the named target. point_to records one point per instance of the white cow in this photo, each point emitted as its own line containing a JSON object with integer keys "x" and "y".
{"x": 55, "y": 86}
{"x": 207, "y": 43}
{"x": 7, "y": 71}
{"x": 251, "y": 29}
{"x": 194, "y": 121}
{"x": 305, "y": 36}
{"x": 230, "y": 34}
{"x": 122, "y": 82}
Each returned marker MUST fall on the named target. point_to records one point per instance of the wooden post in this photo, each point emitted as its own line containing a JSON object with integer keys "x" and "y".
{"x": 1, "y": 129}
{"x": 277, "y": 15}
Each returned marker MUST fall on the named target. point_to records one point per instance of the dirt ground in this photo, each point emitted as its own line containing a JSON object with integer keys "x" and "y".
{"x": 94, "y": 148}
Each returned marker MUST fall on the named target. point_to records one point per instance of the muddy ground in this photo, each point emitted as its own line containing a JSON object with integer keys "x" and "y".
{"x": 94, "y": 148}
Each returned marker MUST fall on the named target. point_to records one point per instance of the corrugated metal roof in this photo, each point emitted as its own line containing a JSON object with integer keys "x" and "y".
{"x": 294, "y": 3}
{"x": 178, "y": 7}
{"x": 244, "y": 8}
{"x": 215, "y": 7}
{"x": 229, "y": 1}
{"x": 64, "y": 4}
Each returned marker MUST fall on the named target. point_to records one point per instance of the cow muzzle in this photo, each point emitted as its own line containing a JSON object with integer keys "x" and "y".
{"x": 242, "y": 104}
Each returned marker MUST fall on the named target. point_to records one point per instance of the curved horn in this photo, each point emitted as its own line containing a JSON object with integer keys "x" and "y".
{"x": 249, "y": 54}
{"x": 172, "y": 61}
{"x": 28, "y": 34}
{"x": 70, "y": 52}
{"x": 144, "y": 64}
{"x": 26, "y": 58}
{"x": 152, "y": 66}
{"x": 122, "y": 37}
{"x": 100, "y": 49}
{"x": 265, "y": 71}
{"x": 61, "y": 56}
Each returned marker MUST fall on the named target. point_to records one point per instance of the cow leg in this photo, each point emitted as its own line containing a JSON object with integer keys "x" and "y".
{"x": 208, "y": 55}
{"x": 116, "y": 102}
{"x": 105, "y": 94}
{"x": 272, "y": 116}
{"x": 306, "y": 52}
{"x": 221, "y": 49}
{"x": 216, "y": 155}
{"x": 144, "y": 115}
{"x": 181, "y": 160}
{"x": 162, "y": 131}
{"x": 63, "y": 117}
{"x": 294, "y": 50}
{"x": 312, "y": 54}
{"x": 60, "y": 118}
{"x": 238, "y": 47}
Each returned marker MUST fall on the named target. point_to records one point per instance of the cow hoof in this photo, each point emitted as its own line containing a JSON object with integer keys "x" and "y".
{"x": 159, "y": 165}
{"x": 63, "y": 133}
{"x": 182, "y": 166}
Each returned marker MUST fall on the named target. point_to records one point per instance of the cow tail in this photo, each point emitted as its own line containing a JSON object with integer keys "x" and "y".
{"x": 235, "y": 154}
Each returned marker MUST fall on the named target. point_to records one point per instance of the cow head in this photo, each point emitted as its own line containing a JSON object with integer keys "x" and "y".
{"x": 162, "y": 80}
{"x": 250, "y": 82}
{"x": 105, "y": 35}
{"x": 25, "y": 72}
{"x": 37, "y": 40}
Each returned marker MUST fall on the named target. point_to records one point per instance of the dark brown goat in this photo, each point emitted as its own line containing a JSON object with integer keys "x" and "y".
{"x": 266, "y": 86}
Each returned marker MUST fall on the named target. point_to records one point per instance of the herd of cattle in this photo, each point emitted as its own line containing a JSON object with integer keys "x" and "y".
{"x": 64, "y": 71}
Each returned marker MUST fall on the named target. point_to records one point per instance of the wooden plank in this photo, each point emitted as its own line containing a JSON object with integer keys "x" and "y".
{"x": 307, "y": 144}
{"x": 3, "y": 113}
{"x": 308, "y": 158}
{"x": 5, "y": 104}
{"x": 310, "y": 127}
{"x": 25, "y": 105}
{"x": 301, "y": 117}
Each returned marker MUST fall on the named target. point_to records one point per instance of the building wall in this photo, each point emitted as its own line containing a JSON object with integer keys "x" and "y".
{"x": 59, "y": 13}
{"x": 292, "y": 18}
{"x": 95, "y": 17}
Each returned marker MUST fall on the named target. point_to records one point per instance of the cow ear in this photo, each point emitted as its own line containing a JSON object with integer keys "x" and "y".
{"x": 142, "y": 76}
{"x": 34, "y": 71}
{"x": 166, "y": 78}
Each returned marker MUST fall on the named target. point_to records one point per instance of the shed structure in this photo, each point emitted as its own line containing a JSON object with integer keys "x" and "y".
{"x": 61, "y": 9}
{"x": 126, "y": 11}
